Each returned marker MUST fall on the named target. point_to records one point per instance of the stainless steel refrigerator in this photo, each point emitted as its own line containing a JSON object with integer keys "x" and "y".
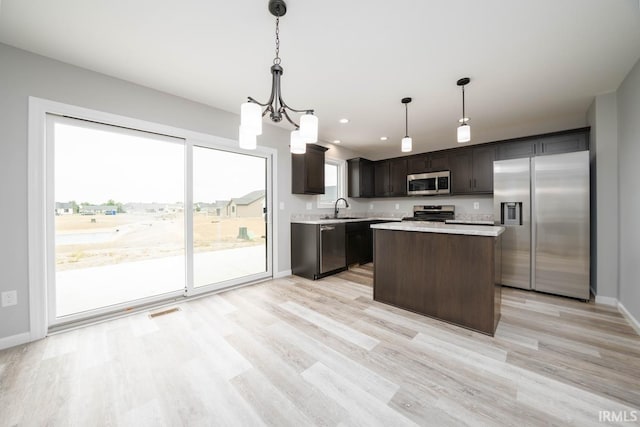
{"x": 543, "y": 202}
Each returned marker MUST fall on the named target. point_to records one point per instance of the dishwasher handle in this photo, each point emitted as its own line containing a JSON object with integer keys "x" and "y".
{"x": 327, "y": 227}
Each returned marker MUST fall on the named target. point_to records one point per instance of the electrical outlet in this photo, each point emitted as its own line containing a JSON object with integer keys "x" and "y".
{"x": 309, "y": 206}
{"x": 397, "y": 206}
{"x": 281, "y": 206}
{"x": 370, "y": 206}
{"x": 9, "y": 298}
{"x": 476, "y": 205}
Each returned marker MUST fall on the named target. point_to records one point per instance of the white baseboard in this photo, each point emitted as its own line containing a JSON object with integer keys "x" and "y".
{"x": 280, "y": 274}
{"x": 606, "y": 301}
{"x": 634, "y": 322}
{"x": 15, "y": 340}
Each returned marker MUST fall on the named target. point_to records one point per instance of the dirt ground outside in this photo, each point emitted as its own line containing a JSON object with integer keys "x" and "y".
{"x": 95, "y": 240}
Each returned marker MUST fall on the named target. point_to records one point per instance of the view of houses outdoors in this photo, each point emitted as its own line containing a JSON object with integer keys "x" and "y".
{"x": 119, "y": 216}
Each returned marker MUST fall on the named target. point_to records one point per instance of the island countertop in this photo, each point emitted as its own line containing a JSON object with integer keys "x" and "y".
{"x": 440, "y": 227}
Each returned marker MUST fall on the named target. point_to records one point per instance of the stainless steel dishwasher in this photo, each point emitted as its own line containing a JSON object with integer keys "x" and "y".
{"x": 332, "y": 247}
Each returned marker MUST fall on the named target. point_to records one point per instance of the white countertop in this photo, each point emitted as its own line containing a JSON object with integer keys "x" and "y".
{"x": 469, "y": 221}
{"x": 341, "y": 220}
{"x": 439, "y": 227}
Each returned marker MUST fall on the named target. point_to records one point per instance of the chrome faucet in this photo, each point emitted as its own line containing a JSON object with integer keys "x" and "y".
{"x": 335, "y": 211}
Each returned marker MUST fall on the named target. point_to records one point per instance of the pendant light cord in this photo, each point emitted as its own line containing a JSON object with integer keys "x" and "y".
{"x": 463, "y": 116}
{"x": 276, "y": 60}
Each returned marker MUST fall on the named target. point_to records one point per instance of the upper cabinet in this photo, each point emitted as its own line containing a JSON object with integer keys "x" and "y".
{"x": 516, "y": 149}
{"x": 565, "y": 142}
{"x": 390, "y": 177}
{"x": 471, "y": 167}
{"x": 361, "y": 182}
{"x": 472, "y": 170}
{"x": 562, "y": 144}
{"x": 431, "y": 162}
{"x": 307, "y": 171}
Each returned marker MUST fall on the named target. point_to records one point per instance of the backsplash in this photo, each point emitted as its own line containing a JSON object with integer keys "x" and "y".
{"x": 474, "y": 217}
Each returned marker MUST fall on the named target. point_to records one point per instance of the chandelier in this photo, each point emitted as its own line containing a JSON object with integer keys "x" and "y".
{"x": 251, "y": 112}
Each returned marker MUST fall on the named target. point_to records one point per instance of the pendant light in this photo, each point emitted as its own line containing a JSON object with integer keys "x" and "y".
{"x": 251, "y": 111}
{"x": 406, "y": 146}
{"x": 464, "y": 130}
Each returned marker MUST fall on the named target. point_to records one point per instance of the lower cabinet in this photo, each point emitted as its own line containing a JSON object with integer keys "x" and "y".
{"x": 318, "y": 250}
{"x": 359, "y": 243}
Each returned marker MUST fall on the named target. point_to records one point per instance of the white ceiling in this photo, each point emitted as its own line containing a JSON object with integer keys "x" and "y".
{"x": 535, "y": 66}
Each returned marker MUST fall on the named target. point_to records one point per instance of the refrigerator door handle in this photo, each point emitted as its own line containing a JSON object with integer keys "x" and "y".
{"x": 534, "y": 229}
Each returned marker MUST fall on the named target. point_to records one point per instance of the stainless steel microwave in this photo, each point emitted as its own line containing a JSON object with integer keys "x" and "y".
{"x": 428, "y": 184}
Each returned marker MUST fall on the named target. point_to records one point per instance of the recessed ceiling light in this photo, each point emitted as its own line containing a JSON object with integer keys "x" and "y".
{"x": 343, "y": 121}
{"x": 383, "y": 138}
{"x": 336, "y": 141}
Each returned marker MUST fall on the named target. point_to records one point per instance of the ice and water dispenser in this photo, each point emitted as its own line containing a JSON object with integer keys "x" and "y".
{"x": 511, "y": 213}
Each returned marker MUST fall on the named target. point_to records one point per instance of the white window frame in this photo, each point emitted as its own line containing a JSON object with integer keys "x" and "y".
{"x": 341, "y": 187}
{"x": 38, "y": 207}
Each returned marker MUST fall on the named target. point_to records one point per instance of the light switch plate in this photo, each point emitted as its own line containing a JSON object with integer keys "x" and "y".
{"x": 309, "y": 206}
{"x": 281, "y": 206}
{"x": 371, "y": 206}
{"x": 397, "y": 206}
{"x": 9, "y": 298}
{"x": 476, "y": 205}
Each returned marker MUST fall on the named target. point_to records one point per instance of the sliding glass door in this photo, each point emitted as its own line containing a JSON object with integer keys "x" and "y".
{"x": 120, "y": 230}
{"x": 229, "y": 227}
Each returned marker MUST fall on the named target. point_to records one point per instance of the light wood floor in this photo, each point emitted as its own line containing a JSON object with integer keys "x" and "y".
{"x": 296, "y": 352}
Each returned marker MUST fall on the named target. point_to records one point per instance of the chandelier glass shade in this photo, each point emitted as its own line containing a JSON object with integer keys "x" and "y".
{"x": 252, "y": 112}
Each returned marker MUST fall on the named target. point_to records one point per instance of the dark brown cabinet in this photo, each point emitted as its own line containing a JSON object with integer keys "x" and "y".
{"x": 446, "y": 276}
{"x": 432, "y": 162}
{"x": 483, "y": 158}
{"x": 566, "y": 142}
{"x": 516, "y": 149}
{"x": 360, "y": 172}
{"x": 307, "y": 171}
{"x": 381, "y": 178}
{"x": 461, "y": 167}
{"x": 359, "y": 242}
{"x": 471, "y": 167}
{"x": 472, "y": 170}
{"x": 390, "y": 177}
{"x": 418, "y": 163}
{"x": 562, "y": 144}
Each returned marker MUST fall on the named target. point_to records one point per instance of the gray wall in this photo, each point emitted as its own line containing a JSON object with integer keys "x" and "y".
{"x": 24, "y": 74}
{"x": 628, "y": 106}
{"x": 602, "y": 117}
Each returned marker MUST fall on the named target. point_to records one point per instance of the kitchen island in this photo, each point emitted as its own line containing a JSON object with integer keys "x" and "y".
{"x": 449, "y": 272}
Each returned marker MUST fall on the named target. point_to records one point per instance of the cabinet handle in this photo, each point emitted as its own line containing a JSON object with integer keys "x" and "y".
{"x": 474, "y": 183}
{"x": 470, "y": 186}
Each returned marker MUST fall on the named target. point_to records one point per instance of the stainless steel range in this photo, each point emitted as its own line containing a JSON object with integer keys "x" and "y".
{"x": 439, "y": 213}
